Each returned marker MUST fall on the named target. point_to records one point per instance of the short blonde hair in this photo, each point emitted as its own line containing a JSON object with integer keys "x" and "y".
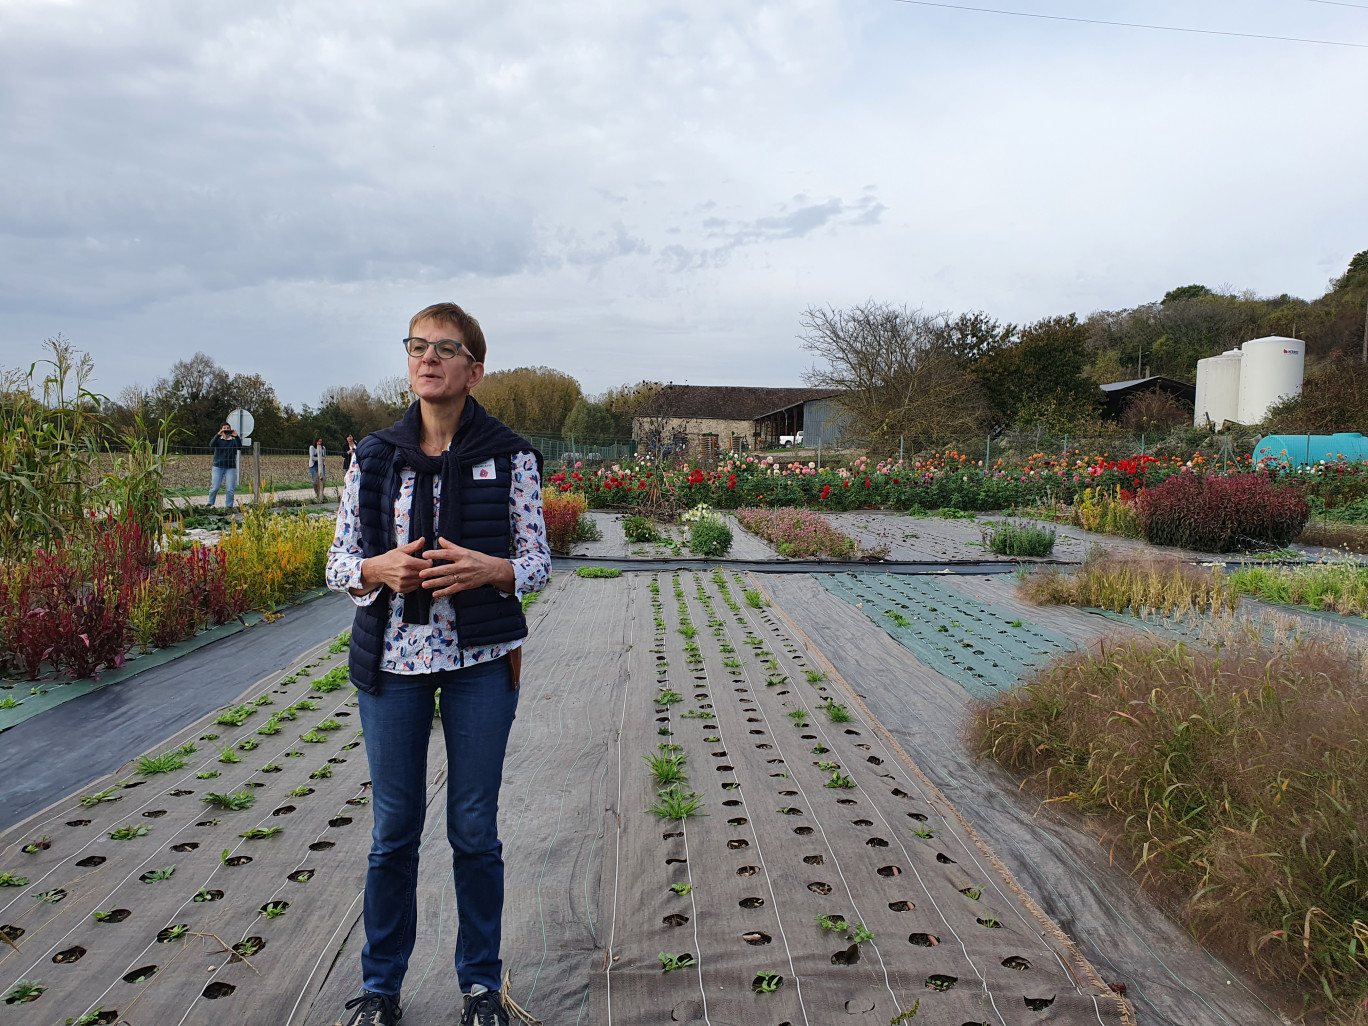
{"x": 452, "y": 316}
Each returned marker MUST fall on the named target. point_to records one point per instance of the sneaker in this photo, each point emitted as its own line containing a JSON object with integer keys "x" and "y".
{"x": 484, "y": 1009}
{"x": 374, "y": 1010}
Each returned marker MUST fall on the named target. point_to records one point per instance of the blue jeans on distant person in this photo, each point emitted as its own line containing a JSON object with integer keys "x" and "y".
{"x": 226, "y": 476}
{"x": 478, "y": 704}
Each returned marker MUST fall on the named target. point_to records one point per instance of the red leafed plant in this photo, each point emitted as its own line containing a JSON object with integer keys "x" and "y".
{"x": 562, "y": 512}
{"x": 1215, "y": 513}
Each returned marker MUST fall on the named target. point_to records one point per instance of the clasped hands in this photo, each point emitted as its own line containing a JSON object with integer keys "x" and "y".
{"x": 442, "y": 571}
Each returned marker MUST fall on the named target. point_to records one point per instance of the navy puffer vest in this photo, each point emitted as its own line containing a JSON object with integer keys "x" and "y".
{"x": 483, "y": 616}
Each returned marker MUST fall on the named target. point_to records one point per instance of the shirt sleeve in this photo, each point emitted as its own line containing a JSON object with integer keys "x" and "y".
{"x": 531, "y": 555}
{"x": 343, "y": 571}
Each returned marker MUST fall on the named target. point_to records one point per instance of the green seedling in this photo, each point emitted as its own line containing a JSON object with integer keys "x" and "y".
{"x": 313, "y": 737}
{"x": 42, "y": 844}
{"x": 666, "y": 746}
{"x": 907, "y": 1016}
{"x": 261, "y": 700}
{"x": 731, "y": 662}
{"x": 669, "y": 963}
{"x": 248, "y": 948}
{"x": 260, "y": 833}
{"x": 227, "y": 755}
{"x": 127, "y": 833}
{"x": 897, "y": 618}
{"x": 1015, "y": 623}
{"x": 833, "y": 923}
{"x": 972, "y": 893}
{"x": 766, "y": 982}
{"x": 859, "y": 934}
{"x": 775, "y": 679}
{"x": 271, "y": 726}
{"x": 274, "y": 909}
{"x": 694, "y": 714}
{"x": 828, "y": 767}
{"x": 225, "y": 855}
{"x": 158, "y": 875}
{"x": 837, "y": 713}
{"x": 924, "y": 833}
{"x": 675, "y": 803}
{"x": 306, "y": 704}
{"x": 754, "y": 599}
{"x": 667, "y": 769}
{"x": 10, "y": 880}
{"x": 202, "y": 895}
{"x": 282, "y": 714}
{"x": 711, "y": 739}
{"x": 271, "y": 767}
{"x": 52, "y": 896}
{"x": 322, "y": 773}
{"x": 820, "y": 749}
{"x": 681, "y": 888}
{"x": 24, "y": 991}
{"x": 171, "y": 933}
{"x": 331, "y": 681}
{"x": 209, "y": 822}
{"x": 8, "y": 702}
{"x": 248, "y": 745}
{"x": 294, "y": 755}
{"x": 664, "y": 731}
{"x": 728, "y": 649}
{"x": 235, "y": 801}
{"x": 839, "y": 780}
{"x": 236, "y": 716}
{"x": 814, "y": 676}
{"x": 189, "y": 748}
{"x": 798, "y": 716}
{"x": 991, "y": 922}
{"x": 104, "y": 917}
{"x": 941, "y": 982}
{"x": 89, "y": 801}
{"x": 300, "y": 792}
{"x": 329, "y": 724}
{"x": 208, "y": 775}
{"x": 669, "y": 697}
{"x": 340, "y": 645}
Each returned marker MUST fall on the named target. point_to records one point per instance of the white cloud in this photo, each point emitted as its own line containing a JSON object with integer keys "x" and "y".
{"x": 626, "y": 190}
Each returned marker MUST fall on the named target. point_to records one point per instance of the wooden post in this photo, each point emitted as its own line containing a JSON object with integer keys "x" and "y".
{"x": 256, "y": 470}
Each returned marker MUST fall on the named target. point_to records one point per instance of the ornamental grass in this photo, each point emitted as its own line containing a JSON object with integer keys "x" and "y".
{"x": 1338, "y": 587}
{"x": 1237, "y": 776}
{"x": 1139, "y": 585}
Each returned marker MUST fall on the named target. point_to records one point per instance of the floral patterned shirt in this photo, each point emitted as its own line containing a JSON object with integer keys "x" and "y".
{"x": 433, "y": 646}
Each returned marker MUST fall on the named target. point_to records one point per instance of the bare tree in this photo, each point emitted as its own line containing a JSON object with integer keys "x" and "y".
{"x": 896, "y": 375}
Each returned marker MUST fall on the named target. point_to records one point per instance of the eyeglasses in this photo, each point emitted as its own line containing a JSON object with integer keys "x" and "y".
{"x": 447, "y": 348}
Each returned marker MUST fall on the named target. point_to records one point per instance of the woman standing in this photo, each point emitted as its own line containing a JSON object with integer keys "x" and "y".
{"x": 317, "y": 471}
{"x": 439, "y": 535}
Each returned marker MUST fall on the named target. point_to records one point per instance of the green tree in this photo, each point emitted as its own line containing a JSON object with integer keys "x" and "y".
{"x": 534, "y": 400}
{"x": 592, "y": 423}
{"x": 1039, "y": 378}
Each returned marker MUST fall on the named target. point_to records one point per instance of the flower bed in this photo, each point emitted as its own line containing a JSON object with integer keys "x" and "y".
{"x": 800, "y": 533}
{"x": 1212, "y": 513}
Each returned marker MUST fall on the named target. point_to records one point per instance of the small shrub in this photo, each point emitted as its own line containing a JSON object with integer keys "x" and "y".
{"x": 639, "y": 529}
{"x": 562, "y": 512}
{"x": 1216, "y": 513}
{"x": 710, "y": 537}
{"x": 593, "y": 572}
{"x": 797, "y": 533}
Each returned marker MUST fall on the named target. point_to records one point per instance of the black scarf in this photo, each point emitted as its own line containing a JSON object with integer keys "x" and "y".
{"x": 478, "y": 437}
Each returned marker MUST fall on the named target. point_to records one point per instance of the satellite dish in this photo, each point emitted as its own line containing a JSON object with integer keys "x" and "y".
{"x": 242, "y": 422}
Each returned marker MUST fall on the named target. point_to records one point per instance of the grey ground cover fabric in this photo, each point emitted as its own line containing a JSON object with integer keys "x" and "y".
{"x": 777, "y": 848}
{"x": 1061, "y": 860}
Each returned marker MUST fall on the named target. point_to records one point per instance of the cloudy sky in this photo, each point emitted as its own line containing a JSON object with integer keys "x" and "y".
{"x": 629, "y": 190}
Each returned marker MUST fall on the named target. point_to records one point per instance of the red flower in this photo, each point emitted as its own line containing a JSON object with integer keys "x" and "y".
{"x": 826, "y": 490}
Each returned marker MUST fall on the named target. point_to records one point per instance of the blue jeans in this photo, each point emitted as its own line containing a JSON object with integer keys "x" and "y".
{"x": 226, "y": 476}
{"x": 478, "y": 704}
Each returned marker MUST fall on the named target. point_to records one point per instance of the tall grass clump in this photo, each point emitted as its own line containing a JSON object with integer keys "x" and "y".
{"x": 1216, "y": 513}
{"x": 1136, "y": 585}
{"x": 1022, "y": 540}
{"x": 1238, "y": 777}
{"x": 273, "y": 556}
{"x": 1338, "y": 587}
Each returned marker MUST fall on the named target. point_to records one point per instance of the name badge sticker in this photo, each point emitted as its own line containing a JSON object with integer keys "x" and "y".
{"x": 483, "y": 471}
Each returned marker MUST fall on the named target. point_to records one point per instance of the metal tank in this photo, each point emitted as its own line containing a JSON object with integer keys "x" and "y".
{"x": 1218, "y": 389}
{"x": 1270, "y": 371}
{"x": 1303, "y": 450}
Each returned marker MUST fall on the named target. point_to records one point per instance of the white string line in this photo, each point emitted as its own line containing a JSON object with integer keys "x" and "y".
{"x": 174, "y": 784}
{"x": 322, "y": 954}
{"x": 835, "y": 861}
{"x": 617, "y": 849}
{"x": 769, "y": 881}
{"x": 934, "y": 904}
{"x": 274, "y": 678}
{"x": 1135, "y": 24}
{"x": 207, "y": 881}
{"x": 153, "y": 800}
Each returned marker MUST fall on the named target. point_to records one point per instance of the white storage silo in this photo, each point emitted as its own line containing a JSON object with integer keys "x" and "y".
{"x": 1218, "y": 389}
{"x": 1270, "y": 371}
